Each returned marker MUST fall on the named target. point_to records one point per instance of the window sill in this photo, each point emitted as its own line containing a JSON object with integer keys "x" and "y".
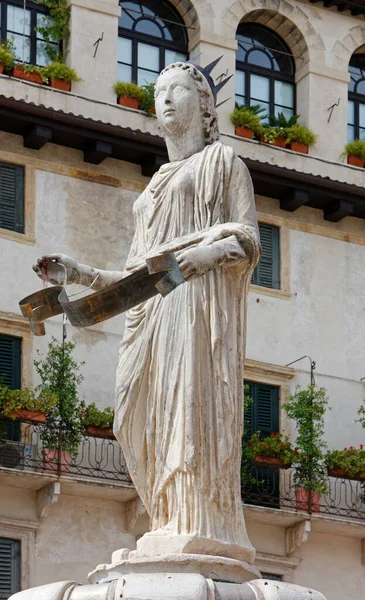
{"x": 258, "y": 289}
{"x": 14, "y": 236}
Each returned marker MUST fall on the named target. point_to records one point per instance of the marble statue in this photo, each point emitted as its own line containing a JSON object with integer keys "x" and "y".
{"x": 179, "y": 392}
{"x": 179, "y": 387}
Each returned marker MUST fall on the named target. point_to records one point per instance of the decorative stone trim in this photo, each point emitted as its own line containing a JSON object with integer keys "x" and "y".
{"x": 17, "y": 326}
{"x": 344, "y": 49}
{"x": 25, "y": 532}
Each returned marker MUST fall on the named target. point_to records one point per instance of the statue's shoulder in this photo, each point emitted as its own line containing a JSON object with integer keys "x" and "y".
{"x": 219, "y": 150}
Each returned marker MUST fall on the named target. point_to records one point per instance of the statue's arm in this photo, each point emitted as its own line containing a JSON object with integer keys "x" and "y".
{"x": 61, "y": 269}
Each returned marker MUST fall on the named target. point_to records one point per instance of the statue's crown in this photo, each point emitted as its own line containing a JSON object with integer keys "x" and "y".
{"x": 206, "y": 71}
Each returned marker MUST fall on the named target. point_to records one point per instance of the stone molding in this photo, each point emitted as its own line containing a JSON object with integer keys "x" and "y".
{"x": 25, "y": 532}
{"x": 17, "y": 326}
{"x": 47, "y": 496}
{"x": 344, "y": 49}
{"x": 296, "y": 535}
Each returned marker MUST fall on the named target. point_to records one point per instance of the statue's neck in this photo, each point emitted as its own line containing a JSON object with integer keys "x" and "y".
{"x": 184, "y": 145}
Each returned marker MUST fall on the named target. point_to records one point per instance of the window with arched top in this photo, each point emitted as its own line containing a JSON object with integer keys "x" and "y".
{"x": 356, "y": 105}
{"x": 265, "y": 70}
{"x": 151, "y": 36}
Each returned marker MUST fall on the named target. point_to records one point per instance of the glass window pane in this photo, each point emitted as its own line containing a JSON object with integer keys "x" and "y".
{"x": 260, "y": 58}
{"x": 351, "y": 112}
{"x": 264, "y": 116}
{"x": 148, "y": 57}
{"x": 124, "y": 73}
{"x": 240, "y": 82}
{"x": 149, "y": 27}
{"x": 42, "y": 21}
{"x": 284, "y": 93}
{"x": 362, "y": 115}
{"x": 259, "y": 88}
{"x": 42, "y": 57}
{"x": 362, "y": 134}
{"x": 287, "y": 112}
{"x": 124, "y": 50}
{"x": 22, "y": 47}
{"x": 350, "y": 133}
{"x": 18, "y": 20}
{"x": 144, "y": 77}
{"x": 171, "y": 57}
{"x": 239, "y": 100}
{"x": 361, "y": 87}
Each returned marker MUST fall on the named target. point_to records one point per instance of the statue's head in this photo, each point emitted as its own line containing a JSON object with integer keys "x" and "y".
{"x": 184, "y": 101}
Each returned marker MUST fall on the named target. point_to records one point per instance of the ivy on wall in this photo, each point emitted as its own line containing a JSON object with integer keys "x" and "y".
{"x": 57, "y": 28}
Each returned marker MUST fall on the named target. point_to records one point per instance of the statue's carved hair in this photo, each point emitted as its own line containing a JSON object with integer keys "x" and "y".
{"x": 207, "y": 108}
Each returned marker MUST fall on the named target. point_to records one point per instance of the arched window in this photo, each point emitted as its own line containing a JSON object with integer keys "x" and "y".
{"x": 264, "y": 70}
{"x": 356, "y": 108}
{"x": 18, "y": 25}
{"x": 151, "y": 36}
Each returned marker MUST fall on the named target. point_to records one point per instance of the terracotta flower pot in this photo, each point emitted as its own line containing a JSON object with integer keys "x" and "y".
{"x": 1, "y": 68}
{"x": 279, "y": 141}
{"x": 270, "y": 461}
{"x": 302, "y": 500}
{"x": 60, "y": 84}
{"x": 152, "y": 110}
{"x": 19, "y": 72}
{"x": 245, "y": 132}
{"x": 35, "y": 416}
{"x": 299, "y": 147}
{"x": 128, "y": 101}
{"x": 50, "y": 460}
{"x": 100, "y": 432}
{"x": 355, "y": 161}
{"x": 338, "y": 472}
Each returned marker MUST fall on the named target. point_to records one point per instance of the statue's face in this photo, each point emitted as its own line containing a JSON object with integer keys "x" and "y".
{"x": 177, "y": 102}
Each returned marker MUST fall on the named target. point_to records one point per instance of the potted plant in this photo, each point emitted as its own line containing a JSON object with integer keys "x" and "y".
{"x": 355, "y": 152}
{"x": 28, "y": 73}
{"x": 300, "y": 138}
{"x": 307, "y": 408}
{"x": 23, "y": 405}
{"x": 129, "y": 94}
{"x": 348, "y": 463}
{"x": 148, "y": 101}
{"x": 64, "y": 429}
{"x": 247, "y": 120}
{"x": 7, "y": 55}
{"x": 275, "y": 450}
{"x": 60, "y": 76}
{"x": 275, "y": 131}
{"x": 99, "y": 423}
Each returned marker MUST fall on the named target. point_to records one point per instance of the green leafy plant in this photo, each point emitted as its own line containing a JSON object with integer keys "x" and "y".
{"x": 35, "y": 69}
{"x": 351, "y": 460}
{"x": 7, "y": 54}
{"x": 132, "y": 90}
{"x": 56, "y": 27}
{"x": 148, "y": 101}
{"x": 307, "y": 408}
{"x": 247, "y": 116}
{"x": 361, "y": 414}
{"x": 270, "y": 133}
{"x": 13, "y": 400}
{"x": 282, "y": 122}
{"x": 59, "y": 70}
{"x": 275, "y": 445}
{"x": 60, "y": 376}
{"x": 355, "y": 148}
{"x": 301, "y": 134}
{"x": 99, "y": 418}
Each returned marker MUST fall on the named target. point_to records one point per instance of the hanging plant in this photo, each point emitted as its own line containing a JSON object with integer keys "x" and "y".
{"x": 55, "y": 29}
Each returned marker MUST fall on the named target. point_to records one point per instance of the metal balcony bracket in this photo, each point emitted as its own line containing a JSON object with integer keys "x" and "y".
{"x": 46, "y": 497}
{"x": 296, "y": 535}
{"x": 134, "y": 509}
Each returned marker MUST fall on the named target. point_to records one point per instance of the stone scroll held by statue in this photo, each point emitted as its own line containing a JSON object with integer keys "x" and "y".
{"x": 179, "y": 385}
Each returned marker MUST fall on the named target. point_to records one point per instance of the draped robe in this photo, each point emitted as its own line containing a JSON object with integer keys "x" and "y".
{"x": 179, "y": 391}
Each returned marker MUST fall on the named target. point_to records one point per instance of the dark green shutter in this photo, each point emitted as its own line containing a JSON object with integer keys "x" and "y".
{"x": 10, "y": 375}
{"x": 263, "y": 414}
{"x": 12, "y": 197}
{"x": 9, "y": 567}
{"x": 267, "y": 272}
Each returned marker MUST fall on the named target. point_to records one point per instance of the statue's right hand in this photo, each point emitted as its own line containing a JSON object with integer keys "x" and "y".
{"x": 58, "y": 269}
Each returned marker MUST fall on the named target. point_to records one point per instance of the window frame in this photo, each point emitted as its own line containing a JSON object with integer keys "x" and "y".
{"x": 160, "y": 43}
{"x": 15, "y": 564}
{"x": 357, "y": 99}
{"x": 34, "y": 9}
{"x": 276, "y": 260}
{"x": 250, "y": 69}
{"x": 19, "y": 199}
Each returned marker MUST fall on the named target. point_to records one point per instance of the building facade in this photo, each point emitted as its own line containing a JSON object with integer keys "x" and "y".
{"x": 71, "y": 166}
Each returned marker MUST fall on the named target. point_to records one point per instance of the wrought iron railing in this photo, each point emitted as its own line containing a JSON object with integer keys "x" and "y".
{"x": 103, "y": 459}
{"x": 95, "y": 457}
{"x": 274, "y": 488}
